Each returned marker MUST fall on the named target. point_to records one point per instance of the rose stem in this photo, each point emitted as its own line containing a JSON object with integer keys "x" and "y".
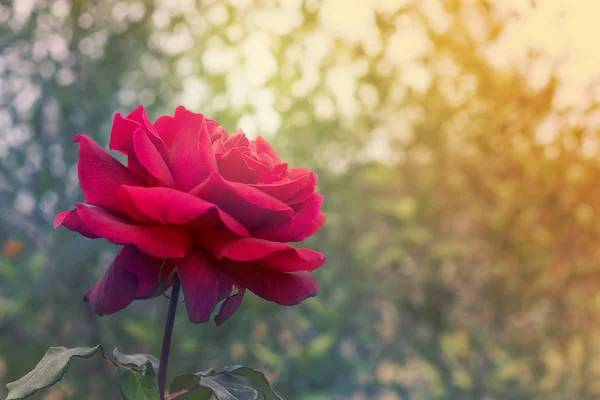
{"x": 164, "y": 354}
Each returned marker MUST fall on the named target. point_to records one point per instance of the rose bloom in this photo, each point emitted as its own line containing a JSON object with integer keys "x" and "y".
{"x": 215, "y": 208}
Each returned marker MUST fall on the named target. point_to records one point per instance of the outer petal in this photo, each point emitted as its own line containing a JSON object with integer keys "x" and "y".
{"x": 199, "y": 281}
{"x": 232, "y": 302}
{"x": 150, "y": 158}
{"x": 276, "y": 256}
{"x": 121, "y": 135}
{"x": 307, "y": 220}
{"x": 140, "y": 116}
{"x": 156, "y": 241}
{"x": 287, "y": 190}
{"x": 287, "y": 289}
{"x": 121, "y": 139}
{"x": 100, "y": 175}
{"x": 190, "y": 148}
{"x": 246, "y": 204}
{"x": 71, "y": 221}
{"x": 172, "y": 207}
{"x": 132, "y": 275}
{"x": 230, "y": 306}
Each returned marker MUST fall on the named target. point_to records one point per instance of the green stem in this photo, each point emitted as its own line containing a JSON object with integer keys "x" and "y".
{"x": 166, "y": 346}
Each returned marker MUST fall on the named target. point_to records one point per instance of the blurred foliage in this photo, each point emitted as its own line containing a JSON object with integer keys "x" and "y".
{"x": 461, "y": 200}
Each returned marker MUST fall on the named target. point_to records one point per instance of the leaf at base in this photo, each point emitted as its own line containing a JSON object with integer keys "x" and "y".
{"x": 257, "y": 378}
{"x": 224, "y": 385}
{"x": 135, "y": 360}
{"x": 138, "y": 384}
{"x": 48, "y": 371}
{"x": 229, "y": 387}
{"x": 186, "y": 387}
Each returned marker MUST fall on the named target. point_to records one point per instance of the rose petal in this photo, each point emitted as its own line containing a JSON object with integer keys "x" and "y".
{"x": 171, "y": 207}
{"x": 233, "y": 167}
{"x": 230, "y": 306}
{"x": 190, "y": 148}
{"x": 132, "y": 275}
{"x": 231, "y": 302}
{"x": 246, "y": 204}
{"x": 71, "y": 221}
{"x": 215, "y": 130}
{"x": 307, "y": 220}
{"x": 137, "y": 119}
{"x": 121, "y": 140}
{"x": 262, "y": 146}
{"x": 121, "y": 135}
{"x": 238, "y": 165}
{"x": 280, "y": 169}
{"x": 238, "y": 139}
{"x": 289, "y": 189}
{"x": 273, "y": 255}
{"x": 225, "y": 286}
{"x": 199, "y": 281}
{"x": 156, "y": 241}
{"x": 263, "y": 171}
{"x": 140, "y": 116}
{"x": 150, "y": 158}
{"x": 218, "y": 146}
{"x": 286, "y": 289}
{"x": 307, "y": 190}
{"x": 100, "y": 175}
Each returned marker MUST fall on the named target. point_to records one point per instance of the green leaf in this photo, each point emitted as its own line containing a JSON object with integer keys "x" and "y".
{"x": 257, "y": 378}
{"x": 138, "y": 383}
{"x": 48, "y": 371}
{"x": 222, "y": 384}
{"x": 135, "y": 360}
{"x": 186, "y": 387}
{"x": 225, "y": 384}
{"x": 229, "y": 387}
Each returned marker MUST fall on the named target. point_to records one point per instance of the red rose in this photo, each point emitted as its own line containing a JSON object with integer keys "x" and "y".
{"x": 216, "y": 208}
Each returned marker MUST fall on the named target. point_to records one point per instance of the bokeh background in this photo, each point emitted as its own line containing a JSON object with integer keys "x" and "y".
{"x": 457, "y": 145}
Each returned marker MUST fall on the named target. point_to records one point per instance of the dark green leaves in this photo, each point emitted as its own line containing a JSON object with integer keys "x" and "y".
{"x": 138, "y": 383}
{"x": 230, "y": 383}
{"x": 229, "y": 387}
{"x": 256, "y": 378}
{"x": 137, "y": 376}
{"x": 48, "y": 371}
{"x": 186, "y": 387}
{"x": 135, "y": 360}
